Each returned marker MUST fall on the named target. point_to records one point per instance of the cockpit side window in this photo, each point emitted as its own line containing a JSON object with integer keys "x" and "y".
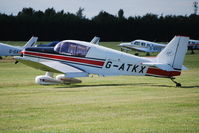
{"x": 148, "y": 45}
{"x": 81, "y": 50}
{"x": 72, "y": 49}
{"x": 136, "y": 43}
{"x": 143, "y": 44}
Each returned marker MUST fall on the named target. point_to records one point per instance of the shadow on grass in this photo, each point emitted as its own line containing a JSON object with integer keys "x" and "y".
{"x": 175, "y": 86}
{"x": 190, "y": 87}
{"x": 102, "y": 85}
{"x": 125, "y": 84}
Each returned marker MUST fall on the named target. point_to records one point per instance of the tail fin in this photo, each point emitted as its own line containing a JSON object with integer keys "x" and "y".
{"x": 31, "y": 42}
{"x": 173, "y": 54}
{"x": 95, "y": 40}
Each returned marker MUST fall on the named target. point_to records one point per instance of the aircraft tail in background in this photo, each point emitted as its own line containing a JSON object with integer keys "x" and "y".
{"x": 10, "y": 50}
{"x": 31, "y": 42}
{"x": 95, "y": 40}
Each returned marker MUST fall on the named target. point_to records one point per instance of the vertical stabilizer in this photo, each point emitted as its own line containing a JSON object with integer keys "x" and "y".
{"x": 95, "y": 40}
{"x": 173, "y": 54}
{"x": 31, "y": 42}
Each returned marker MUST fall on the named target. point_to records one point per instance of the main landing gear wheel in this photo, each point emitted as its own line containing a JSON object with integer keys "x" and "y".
{"x": 177, "y": 84}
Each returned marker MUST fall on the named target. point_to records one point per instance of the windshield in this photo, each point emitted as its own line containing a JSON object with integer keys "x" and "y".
{"x": 71, "y": 48}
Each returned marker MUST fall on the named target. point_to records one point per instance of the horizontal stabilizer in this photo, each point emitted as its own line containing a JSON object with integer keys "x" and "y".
{"x": 163, "y": 66}
{"x": 160, "y": 66}
{"x": 184, "y": 68}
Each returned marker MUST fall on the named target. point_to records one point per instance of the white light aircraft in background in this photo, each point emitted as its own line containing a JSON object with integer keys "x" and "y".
{"x": 143, "y": 46}
{"x": 193, "y": 45}
{"x": 9, "y": 50}
{"x": 80, "y": 59}
{"x": 149, "y": 47}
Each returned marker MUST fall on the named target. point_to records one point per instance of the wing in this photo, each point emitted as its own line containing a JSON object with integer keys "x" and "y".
{"x": 54, "y": 66}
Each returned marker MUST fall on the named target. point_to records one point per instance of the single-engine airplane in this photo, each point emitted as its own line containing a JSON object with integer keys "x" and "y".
{"x": 79, "y": 59}
{"x": 143, "y": 46}
{"x": 149, "y": 47}
{"x": 9, "y": 50}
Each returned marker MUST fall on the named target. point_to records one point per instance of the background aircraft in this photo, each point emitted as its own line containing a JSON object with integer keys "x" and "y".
{"x": 9, "y": 50}
{"x": 95, "y": 40}
{"x": 79, "y": 59}
{"x": 52, "y": 44}
{"x": 143, "y": 46}
{"x": 147, "y": 46}
{"x": 193, "y": 45}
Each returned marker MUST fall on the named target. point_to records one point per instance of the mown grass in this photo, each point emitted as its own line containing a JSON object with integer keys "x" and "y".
{"x": 123, "y": 104}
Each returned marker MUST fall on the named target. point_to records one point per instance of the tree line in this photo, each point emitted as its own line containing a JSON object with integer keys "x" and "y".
{"x": 52, "y": 25}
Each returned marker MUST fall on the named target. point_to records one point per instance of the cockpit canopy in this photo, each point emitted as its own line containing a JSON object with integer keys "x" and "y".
{"x": 71, "y": 48}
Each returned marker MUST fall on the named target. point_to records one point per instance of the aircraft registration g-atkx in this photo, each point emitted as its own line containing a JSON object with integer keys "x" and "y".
{"x": 79, "y": 59}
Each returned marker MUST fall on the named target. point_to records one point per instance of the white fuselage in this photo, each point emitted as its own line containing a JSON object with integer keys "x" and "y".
{"x": 8, "y": 50}
{"x": 101, "y": 61}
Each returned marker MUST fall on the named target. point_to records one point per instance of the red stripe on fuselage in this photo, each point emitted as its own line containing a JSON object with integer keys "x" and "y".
{"x": 159, "y": 72}
{"x": 79, "y": 60}
{"x": 193, "y": 44}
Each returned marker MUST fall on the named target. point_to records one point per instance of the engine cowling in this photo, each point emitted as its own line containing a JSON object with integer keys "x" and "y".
{"x": 49, "y": 80}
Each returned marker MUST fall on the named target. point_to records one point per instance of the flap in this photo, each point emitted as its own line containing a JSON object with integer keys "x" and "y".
{"x": 70, "y": 71}
{"x": 60, "y": 66}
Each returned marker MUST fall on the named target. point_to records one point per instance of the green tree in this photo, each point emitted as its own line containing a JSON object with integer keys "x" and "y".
{"x": 79, "y": 13}
{"x": 120, "y": 14}
{"x": 26, "y": 12}
{"x": 50, "y": 12}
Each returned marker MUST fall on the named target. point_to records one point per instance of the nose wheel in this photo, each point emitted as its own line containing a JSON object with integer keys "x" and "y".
{"x": 177, "y": 84}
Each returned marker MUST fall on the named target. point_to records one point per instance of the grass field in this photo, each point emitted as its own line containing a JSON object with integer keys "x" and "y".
{"x": 122, "y": 104}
